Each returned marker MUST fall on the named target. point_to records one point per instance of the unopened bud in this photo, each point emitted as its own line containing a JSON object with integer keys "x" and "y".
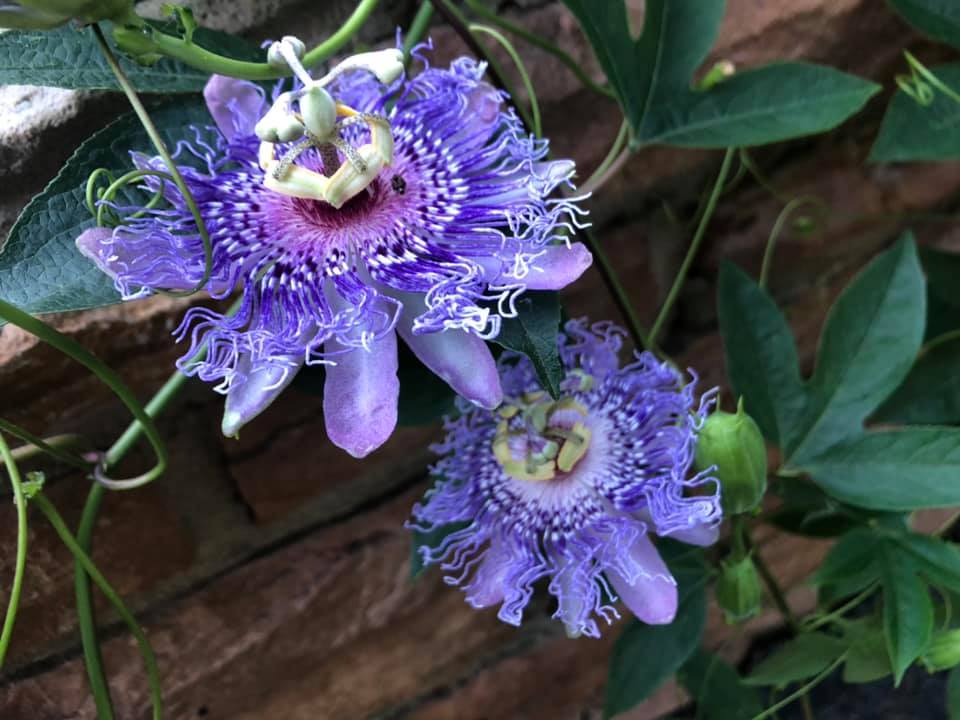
{"x": 943, "y": 652}
{"x": 275, "y": 53}
{"x": 84, "y": 10}
{"x": 717, "y": 74}
{"x": 733, "y": 443}
{"x": 738, "y": 590}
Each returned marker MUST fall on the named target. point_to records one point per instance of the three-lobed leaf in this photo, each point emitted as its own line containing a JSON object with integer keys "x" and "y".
{"x": 851, "y": 565}
{"x": 930, "y": 394}
{"x": 652, "y": 76}
{"x": 867, "y": 659}
{"x": 871, "y": 338}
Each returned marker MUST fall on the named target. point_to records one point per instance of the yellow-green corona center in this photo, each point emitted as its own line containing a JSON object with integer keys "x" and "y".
{"x": 537, "y": 438}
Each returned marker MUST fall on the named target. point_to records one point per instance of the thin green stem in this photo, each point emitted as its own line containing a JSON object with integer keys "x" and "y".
{"x": 701, "y": 230}
{"x": 192, "y": 54}
{"x": 776, "y": 593}
{"x": 489, "y": 15}
{"x": 21, "y": 557}
{"x": 418, "y": 28}
{"x": 778, "y": 226}
{"x": 43, "y": 446}
{"x": 612, "y": 154}
{"x": 26, "y": 452}
{"x": 801, "y": 692}
{"x": 821, "y": 620}
{"x": 521, "y": 68}
{"x": 86, "y": 615}
{"x": 134, "y": 99}
{"x": 83, "y": 356}
{"x": 150, "y": 660}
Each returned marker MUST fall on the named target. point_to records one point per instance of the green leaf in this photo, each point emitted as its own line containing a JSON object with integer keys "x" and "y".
{"x": 676, "y": 37}
{"x": 718, "y": 689}
{"x": 41, "y": 269}
{"x": 912, "y": 132}
{"x": 646, "y": 655}
{"x": 909, "y": 469}
{"x": 937, "y": 559}
{"x": 871, "y": 338}
{"x": 769, "y": 104}
{"x": 907, "y": 609}
{"x": 942, "y": 270}
{"x": 801, "y": 658}
{"x": 652, "y": 77}
{"x": 533, "y": 332}
{"x": 930, "y": 395}
{"x": 851, "y": 564}
{"x": 867, "y": 658}
{"x": 424, "y": 397}
{"x": 761, "y": 355}
{"x": 953, "y": 694}
{"x": 70, "y": 58}
{"x": 940, "y": 19}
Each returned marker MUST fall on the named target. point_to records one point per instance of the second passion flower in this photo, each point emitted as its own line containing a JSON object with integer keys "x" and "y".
{"x": 570, "y": 490}
{"x": 436, "y": 248}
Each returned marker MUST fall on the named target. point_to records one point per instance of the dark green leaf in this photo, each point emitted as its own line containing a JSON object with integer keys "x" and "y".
{"x": 646, "y": 655}
{"x": 871, "y": 338}
{"x": 808, "y": 510}
{"x": 937, "y": 559}
{"x": 41, "y": 269}
{"x": 424, "y": 397}
{"x": 953, "y": 694}
{"x": 940, "y": 19}
{"x": 851, "y": 564}
{"x": 942, "y": 270}
{"x": 676, "y": 37}
{"x": 930, "y": 395}
{"x": 909, "y": 469}
{"x": 867, "y": 659}
{"x": 68, "y": 57}
{"x": 911, "y": 131}
{"x": 761, "y": 356}
{"x": 534, "y": 333}
{"x": 907, "y": 609}
{"x": 718, "y": 689}
{"x": 756, "y": 107}
{"x": 801, "y": 658}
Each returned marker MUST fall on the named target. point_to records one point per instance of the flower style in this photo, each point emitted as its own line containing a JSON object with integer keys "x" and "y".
{"x": 569, "y": 490}
{"x": 436, "y": 247}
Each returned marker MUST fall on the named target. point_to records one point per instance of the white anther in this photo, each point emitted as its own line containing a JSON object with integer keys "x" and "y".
{"x": 385, "y": 65}
{"x": 279, "y": 124}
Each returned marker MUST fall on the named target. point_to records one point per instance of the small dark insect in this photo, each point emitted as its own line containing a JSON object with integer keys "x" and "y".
{"x": 398, "y": 184}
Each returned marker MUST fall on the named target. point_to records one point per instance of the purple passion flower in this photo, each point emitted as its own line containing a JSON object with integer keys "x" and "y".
{"x": 437, "y": 248}
{"x": 570, "y": 490}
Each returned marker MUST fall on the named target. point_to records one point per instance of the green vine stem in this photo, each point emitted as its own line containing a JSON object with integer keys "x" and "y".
{"x": 778, "y": 226}
{"x": 801, "y": 692}
{"x": 188, "y": 52}
{"x": 21, "y": 557}
{"x": 701, "y": 230}
{"x": 144, "y": 117}
{"x": 478, "y": 8}
{"x": 83, "y": 559}
{"x": 521, "y": 69}
{"x": 83, "y": 356}
{"x": 41, "y": 445}
{"x": 26, "y": 452}
{"x": 613, "y": 154}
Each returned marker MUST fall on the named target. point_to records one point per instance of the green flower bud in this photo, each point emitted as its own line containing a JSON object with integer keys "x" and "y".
{"x": 943, "y": 652}
{"x": 738, "y": 590}
{"x": 85, "y": 10}
{"x": 734, "y": 444}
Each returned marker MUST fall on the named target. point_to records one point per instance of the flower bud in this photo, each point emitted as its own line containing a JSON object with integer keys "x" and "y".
{"x": 84, "y": 10}
{"x": 733, "y": 443}
{"x": 16, "y": 17}
{"x": 738, "y": 590}
{"x": 943, "y": 652}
